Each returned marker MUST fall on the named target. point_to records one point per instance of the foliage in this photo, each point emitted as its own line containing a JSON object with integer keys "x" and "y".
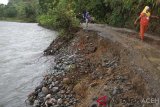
{"x": 121, "y": 13}
{"x": 20, "y": 9}
{"x": 10, "y": 11}
{"x": 2, "y": 10}
{"x": 59, "y": 16}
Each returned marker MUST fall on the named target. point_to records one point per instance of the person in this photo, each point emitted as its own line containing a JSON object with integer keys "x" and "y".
{"x": 83, "y": 15}
{"x": 144, "y": 21}
{"x": 87, "y": 18}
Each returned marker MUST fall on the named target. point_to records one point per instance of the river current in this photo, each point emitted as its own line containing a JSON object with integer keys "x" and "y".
{"x": 22, "y": 64}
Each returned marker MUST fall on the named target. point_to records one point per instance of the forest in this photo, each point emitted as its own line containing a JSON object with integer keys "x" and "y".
{"x": 25, "y": 10}
{"x": 62, "y": 14}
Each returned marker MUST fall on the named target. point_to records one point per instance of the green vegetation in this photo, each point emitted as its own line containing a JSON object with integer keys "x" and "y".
{"x": 58, "y": 14}
{"x": 61, "y": 14}
{"x": 20, "y": 10}
{"x": 121, "y": 13}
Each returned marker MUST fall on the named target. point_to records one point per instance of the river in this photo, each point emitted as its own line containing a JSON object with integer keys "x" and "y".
{"x": 22, "y": 64}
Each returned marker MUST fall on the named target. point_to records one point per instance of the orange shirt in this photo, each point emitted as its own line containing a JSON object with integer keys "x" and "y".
{"x": 144, "y": 19}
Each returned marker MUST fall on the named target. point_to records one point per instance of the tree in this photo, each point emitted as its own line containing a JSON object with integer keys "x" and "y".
{"x": 2, "y": 10}
{"x": 10, "y": 10}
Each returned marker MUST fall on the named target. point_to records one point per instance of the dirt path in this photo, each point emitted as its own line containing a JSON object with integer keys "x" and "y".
{"x": 145, "y": 56}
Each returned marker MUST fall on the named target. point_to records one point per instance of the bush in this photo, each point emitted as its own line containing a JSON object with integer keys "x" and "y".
{"x": 11, "y": 12}
{"x": 45, "y": 20}
{"x": 60, "y": 20}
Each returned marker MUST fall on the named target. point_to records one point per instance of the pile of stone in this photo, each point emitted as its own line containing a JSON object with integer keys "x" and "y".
{"x": 56, "y": 89}
{"x": 53, "y": 92}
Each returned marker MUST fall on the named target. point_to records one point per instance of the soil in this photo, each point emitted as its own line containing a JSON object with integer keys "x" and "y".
{"x": 104, "y": 61}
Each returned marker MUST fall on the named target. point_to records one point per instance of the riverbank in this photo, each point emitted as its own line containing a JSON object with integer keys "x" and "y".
{"x": 89, "y": 66}
{"x": 17, "y": 20}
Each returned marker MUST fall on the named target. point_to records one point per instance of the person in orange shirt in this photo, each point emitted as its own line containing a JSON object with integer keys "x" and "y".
{"x": 144, "y": 21}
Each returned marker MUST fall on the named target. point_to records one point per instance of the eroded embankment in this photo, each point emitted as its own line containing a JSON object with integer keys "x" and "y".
{"x": 88, "y": 67}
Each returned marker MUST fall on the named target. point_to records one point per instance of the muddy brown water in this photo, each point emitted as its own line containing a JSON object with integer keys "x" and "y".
{"x": 22, "y": 63}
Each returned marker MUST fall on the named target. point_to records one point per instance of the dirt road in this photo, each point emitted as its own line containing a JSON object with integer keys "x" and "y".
{"x": 144, "y": 56}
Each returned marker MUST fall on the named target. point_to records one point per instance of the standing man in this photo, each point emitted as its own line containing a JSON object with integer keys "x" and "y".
{"x": 87, "y": 18}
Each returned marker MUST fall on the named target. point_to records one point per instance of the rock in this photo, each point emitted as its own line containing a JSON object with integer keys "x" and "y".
{"x": 62, "y": 96}
{"x": 41, "y": 94}
{"x": 56, "y": 82}
{"x": 31, "y": 94}
{"x": 93, "y": 104}
{"x": 71, "y": 102}
{"x": 56, "y": 68}
{"x": 60, "y": 85}
{"x": 93, "y": 84}
{"x": 31, "y": 99}
{"x": 94, "y": 76}
{"x": 53, "y": 84}
{"x": 36, "y": 103}
{"x": 116, "y": 90}
{"x": 65, "y": 102}
{"x": 122, "y": 78}
{"x": 48, "y": 96}
{"x": 38, "y": 88}
{"x": 66, "y": 63}
{"x": 62, "y": 91}
{"x": 45, "y": 90}
{"x": 51, "y": 101}
{"x": 66, "y": 80}
{"x": 112, "y": 63}
{"x": 86, "y": 72}
{"x": 59, "y": 101}
{"x": 50, "y": 81}
{"x": 50, "y": 86}
{"x": 68, "y": 91}
{"x": 70, "y": 67}
{"x": 44, "y": 82}
{"x": 70, "y": 96}
{"x": 55, "y": 89}
{"x": 101, "y": 77}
